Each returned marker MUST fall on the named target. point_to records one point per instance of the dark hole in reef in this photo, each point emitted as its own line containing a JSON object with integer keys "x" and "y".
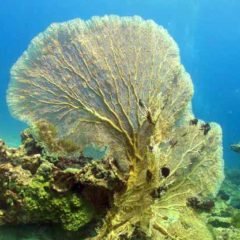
{"x": 3, "y": 205}
{"x": 98, "y": 197}
{"x": 165, "y": 171}
{"x": 77, "y": 187}
{"x": 138, "y": 234}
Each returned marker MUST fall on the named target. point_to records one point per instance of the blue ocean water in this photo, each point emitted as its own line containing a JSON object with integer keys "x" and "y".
{"x": 207, "y": 33}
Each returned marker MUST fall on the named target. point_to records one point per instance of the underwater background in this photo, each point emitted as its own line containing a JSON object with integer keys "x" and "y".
{"x": 207, "y": 32}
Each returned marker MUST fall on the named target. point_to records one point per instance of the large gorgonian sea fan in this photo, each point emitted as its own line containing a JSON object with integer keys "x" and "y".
{"x": 97, "y": 80}
{"x": 118, "y": 82}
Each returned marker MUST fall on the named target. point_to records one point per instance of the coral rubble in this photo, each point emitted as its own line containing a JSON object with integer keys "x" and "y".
{"x": 116, "y": 84}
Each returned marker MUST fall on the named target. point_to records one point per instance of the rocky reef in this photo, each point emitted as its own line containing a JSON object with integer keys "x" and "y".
{"x": 40, "y": 188}
{"x": 113, "y": 138}
{"x": 224, "y": 216}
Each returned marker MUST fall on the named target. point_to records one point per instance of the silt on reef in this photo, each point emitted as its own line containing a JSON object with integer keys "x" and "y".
{"x": 116, "y": 83}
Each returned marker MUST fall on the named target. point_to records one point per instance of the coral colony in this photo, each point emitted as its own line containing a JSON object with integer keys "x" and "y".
{"x": 113, "y": 87}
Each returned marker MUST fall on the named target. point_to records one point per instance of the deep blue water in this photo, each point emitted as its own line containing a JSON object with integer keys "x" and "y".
{"x": 207, "y": 33}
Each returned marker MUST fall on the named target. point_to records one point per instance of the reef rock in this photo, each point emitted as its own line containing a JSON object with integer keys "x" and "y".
{"x": 36, "y": 188}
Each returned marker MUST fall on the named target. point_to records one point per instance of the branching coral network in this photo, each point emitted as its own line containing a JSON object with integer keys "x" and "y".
{"x": 118, "y": 82}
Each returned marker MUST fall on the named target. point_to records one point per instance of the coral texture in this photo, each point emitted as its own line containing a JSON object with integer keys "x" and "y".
{"x": 118, "y": 82}
{"x": 100, "y": 79}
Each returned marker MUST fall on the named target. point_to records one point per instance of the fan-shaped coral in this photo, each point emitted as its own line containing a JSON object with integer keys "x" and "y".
{"x": 118, "y": 82}
{"x": 100, "y": 79}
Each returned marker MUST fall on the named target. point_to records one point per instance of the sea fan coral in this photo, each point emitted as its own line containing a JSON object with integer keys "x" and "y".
{"x": 118, "y": 82}
{"x": 100, "y": 79}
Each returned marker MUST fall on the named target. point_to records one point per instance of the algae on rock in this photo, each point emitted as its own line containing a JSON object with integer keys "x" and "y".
{"x": 35, "y": 189}
{"x": 118, "y": 82}
{"x": 29, "y": 198}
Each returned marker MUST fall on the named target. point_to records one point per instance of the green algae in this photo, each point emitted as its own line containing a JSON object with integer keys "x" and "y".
{"x": 43, "y": 204}
{"x": 34, "y": 201}
{"x": 236, "y": 220}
